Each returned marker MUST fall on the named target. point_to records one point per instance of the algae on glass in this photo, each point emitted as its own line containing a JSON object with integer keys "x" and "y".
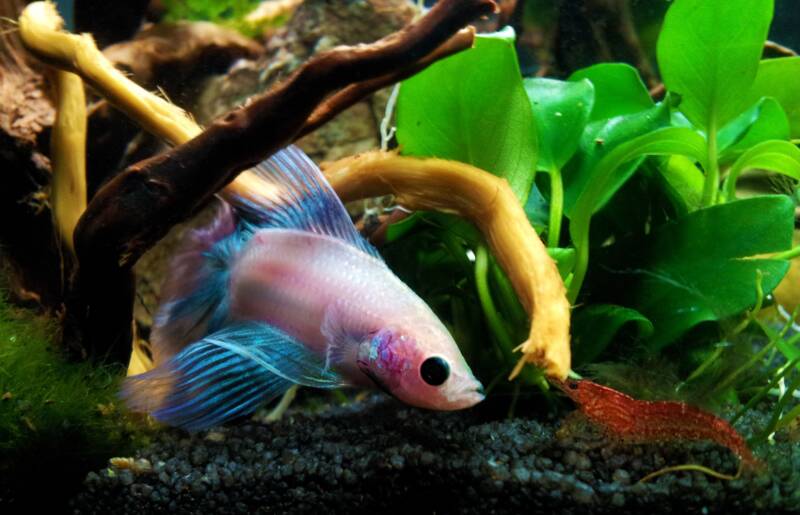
{"x": 58, "y": 419}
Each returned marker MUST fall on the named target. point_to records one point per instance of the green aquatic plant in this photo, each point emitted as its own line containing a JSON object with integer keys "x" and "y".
{"x": 58, "y": 419}
{"x": 210, "y": 10}
{"x": 230, "y": 13}
{"x": 637, "y": 199}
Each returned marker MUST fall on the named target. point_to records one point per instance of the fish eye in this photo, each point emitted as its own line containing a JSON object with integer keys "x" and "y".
{"x": 435, "y": 371}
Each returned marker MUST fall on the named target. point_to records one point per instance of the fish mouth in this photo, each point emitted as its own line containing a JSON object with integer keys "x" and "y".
{"x": 469, "y": 397}
{"x": 477, "y": 395}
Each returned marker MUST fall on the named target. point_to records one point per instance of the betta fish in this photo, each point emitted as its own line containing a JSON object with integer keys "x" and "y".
{"x": 281, "y": 289}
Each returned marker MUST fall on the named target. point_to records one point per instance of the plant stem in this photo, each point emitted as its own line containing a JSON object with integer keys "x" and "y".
{"x": 731, "y": 378}
{"x": 556, "y": 207}
{"x": 711, "y": 187}
{"x": 786, "y": 419}
{"x": 700, "y": 370}
{"x": 789, "y": 254}
{"x": 776, "y": 415}
{"x": 508, "y": 297}
{"x": 514, "y": 398}
{"x": 751, "y": 314}
{"x": 764, "y": 391}
{"x": 496, "y": 324}
{"x": 581, "y": 264}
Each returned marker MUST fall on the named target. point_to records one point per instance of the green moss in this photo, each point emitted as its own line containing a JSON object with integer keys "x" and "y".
{"x": 230, "y": 13}
{"x": 58, "y": 419}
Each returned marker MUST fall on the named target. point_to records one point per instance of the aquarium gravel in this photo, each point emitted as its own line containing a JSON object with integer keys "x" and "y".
{"x": 377, "y": 456}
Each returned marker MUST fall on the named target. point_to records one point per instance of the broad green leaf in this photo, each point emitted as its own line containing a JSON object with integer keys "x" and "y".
{"x": 779, "y": 78}
{"x": 595, "y": 326}
{"x": 618, "y": 89}
{"x": 602, "y": 137}
{"x": 611, "y": 173}
{"x": 776, "y": 156}
{"x": 702, "y": 268}
{"x": 684, "y": 179}
{"x": 643, "y": 202}
{"x": 766, "y": 120}
{"x": 472, "y": 108}
{"x": 708, "y": 53}
{"x": 561, "y": 112}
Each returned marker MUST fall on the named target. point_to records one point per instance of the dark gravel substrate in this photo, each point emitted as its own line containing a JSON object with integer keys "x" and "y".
{"x": 379, "y": 457}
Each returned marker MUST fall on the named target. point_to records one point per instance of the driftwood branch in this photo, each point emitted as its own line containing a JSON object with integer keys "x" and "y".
{"x": 135, "y": 209}
{"x": 138, "y": 207}
{"x": 350, "y": 95}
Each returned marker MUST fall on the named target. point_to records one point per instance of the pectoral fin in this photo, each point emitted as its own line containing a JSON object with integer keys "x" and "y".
{"x": 345, "y": 326}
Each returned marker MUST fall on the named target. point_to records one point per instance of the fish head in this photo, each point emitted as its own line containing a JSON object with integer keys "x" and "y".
{"x": 420, "y": 365}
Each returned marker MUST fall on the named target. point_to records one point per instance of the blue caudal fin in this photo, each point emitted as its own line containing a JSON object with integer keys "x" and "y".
{"x": 304, "y": 200}
{"x": 226, "y": 375}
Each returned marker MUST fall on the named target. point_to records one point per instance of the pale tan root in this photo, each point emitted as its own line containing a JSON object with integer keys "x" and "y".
{"x": 140, "y": 361}
{"x": 40, "y": 28}
{"x": 286, "y": 400}
{"x": 68, "y": 154}
{"x": 269, "y": 12}
{"x": 487, "y": 201}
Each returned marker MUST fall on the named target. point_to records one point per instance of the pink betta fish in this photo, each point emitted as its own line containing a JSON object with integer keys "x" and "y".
{"x": 283, "y": 290}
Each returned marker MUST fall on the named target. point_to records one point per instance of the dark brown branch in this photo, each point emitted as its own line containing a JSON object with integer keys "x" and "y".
{"x": 350, "y": 95}
{"x": 773, "y": 49}
{"x": 135, "y": 209}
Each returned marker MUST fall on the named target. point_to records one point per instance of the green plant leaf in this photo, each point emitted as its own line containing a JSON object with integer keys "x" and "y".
{"x": 766, "y": 120}
{"x": 776, "y": 156}
{"x": 708, "y": 53}
{"x": 561, "y": 111}
{"x": 595, "y": 326}
{"x": 602, "y": 137}
{"x": 702, "y": 267}
{"x": 399, "y": 229}
{"x": 472, "y": 108}
{"x": 611, "y": 172}
{"x": 618, "y": 88}
{"x": 778, "y": 78}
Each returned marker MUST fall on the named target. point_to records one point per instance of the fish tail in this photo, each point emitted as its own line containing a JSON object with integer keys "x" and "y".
{"x": 194, "y": 296}
{"x": 225, "y": 375}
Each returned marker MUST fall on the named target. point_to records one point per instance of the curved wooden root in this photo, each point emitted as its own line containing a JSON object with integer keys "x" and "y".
{"x": 487, "y": 201}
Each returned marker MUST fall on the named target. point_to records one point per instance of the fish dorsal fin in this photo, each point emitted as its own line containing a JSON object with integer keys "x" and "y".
{"x": 293, "y": 194}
